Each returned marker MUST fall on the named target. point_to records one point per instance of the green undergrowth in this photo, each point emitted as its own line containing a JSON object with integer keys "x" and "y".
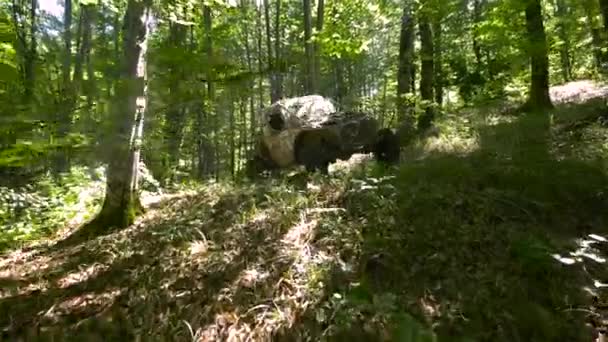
{"x": 39, "y": 209}
{"x": 464, "y": 242}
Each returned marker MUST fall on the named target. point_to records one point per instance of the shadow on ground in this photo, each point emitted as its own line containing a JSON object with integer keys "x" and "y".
{"x": 175, "y": 270}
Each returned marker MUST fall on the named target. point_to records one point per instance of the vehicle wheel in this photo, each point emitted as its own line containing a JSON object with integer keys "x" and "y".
{"x": 386, "y": 148}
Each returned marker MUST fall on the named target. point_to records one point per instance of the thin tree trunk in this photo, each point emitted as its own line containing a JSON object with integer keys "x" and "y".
{"x": 91, "y": 88}
{"x": 231, "y": 128}
{"x": 250, "y": 136}
{"x": 121, "y": 203}
{"x": 175, "y": 116}
{"x": 438, "y": 45}
{"x": 84, "y": 47}
{"x": 405, "y": 70}
{"x": 30, "y": 74}
{"x": 596, "y": 36}
{"x": 279, "y": 64}
{"x": 426, "y": 71}
{"x": 561, "y": 12}
{"x": 309, "y": 81}
{"x": 604, "y": 10}
{"x": 477, "y": 10}
{"x": 62, "y": 159}
{"x": 208, "y": 25}
{"x": 260, "y": 56}
{"x": 317, "y": 46}
{"x": 539, "y": 61}
{"x": 274, "y": 96}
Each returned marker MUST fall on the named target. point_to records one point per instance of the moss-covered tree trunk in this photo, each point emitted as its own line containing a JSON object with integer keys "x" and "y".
{"x": 538, "y": 99}
{"x": 121, "y": 203}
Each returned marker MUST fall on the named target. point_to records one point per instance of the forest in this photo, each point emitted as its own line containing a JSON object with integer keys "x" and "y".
{"x": 156, "y": 185}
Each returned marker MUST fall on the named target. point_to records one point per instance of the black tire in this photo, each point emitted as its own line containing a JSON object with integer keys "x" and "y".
{"x": 387, "y": 148}
{"x": 316, "y": 149}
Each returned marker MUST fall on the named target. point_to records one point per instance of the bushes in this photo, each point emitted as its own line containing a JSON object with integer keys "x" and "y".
{"x": 39, "y": 209}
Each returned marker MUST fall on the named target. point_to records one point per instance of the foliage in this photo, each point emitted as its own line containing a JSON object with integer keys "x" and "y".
{"x": 39, "y": 210}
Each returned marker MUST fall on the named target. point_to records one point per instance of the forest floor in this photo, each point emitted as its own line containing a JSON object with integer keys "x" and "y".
{"x": 494, "y": 231}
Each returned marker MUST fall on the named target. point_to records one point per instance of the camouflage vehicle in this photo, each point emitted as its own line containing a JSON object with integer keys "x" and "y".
{"x": 309, "y": 131}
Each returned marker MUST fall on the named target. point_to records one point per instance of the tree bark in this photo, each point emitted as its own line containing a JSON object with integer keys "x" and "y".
{"x": 596, "y": 36}
{"x": 477, "y": 10}
{"x": 121, "y": 203}
{"x": 438, "y": 64}
{"x": 260, "y": 58}
{"x": 538, "y": 99}
{"x": 561, "y": 12}
{"x": 405, "y": 70}
{"x": 274, "y": 96}
{"x": 604, "y": 10}
{"x": 317, "y": 46}
{"x": 309, "y": 81}
{"x": 426, "y": 71}
{"x": 84, "y": 47}
{"x": 175, "y": 116}
{"x": 279, "y": 64}
{"x": 62, "y": 159}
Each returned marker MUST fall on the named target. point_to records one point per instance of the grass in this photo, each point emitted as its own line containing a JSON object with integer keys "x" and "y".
{"x": 482, "y": 233}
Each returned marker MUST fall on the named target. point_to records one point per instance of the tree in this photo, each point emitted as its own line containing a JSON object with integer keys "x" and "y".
{"x": 404, "y": 73}
{"x": 62, "y": 162}
{"x": 310, "y": 82}
{"x": 438, "y": 58}
{"x": 121, "y": 203}
{"x": 427, "y": 71}
{"x": 604, "y": 10}
{"x": 538, "y": 99}
{"x": 278, "y": 79}
{"x": 561, "y": 12}
{"x": 317, "y": 46}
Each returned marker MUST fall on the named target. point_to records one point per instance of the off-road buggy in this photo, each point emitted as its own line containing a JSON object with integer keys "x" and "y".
{"x": 309, "y": 131}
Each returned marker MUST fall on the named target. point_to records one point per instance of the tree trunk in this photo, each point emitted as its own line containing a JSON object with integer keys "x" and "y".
{"x": 175, "y": 116}
{"x": 62, "y": 159}
{"x": 231, "y": 128}
{"x": 426, "y": 71}
{"x": 91, "y": 85}
{"x": 274, "y": 96}
{"x": 213, "y": 163}
{"x": 438, "y": 45}
{"x": 604, "y": 10}
{"x": 260, "y": 58}
{"x": 32, "y": 55}
{"x": 477, "y": 10}
{"x": 84, "y": 47}
{"x": 317, "y": 46}
{"x": 561, "y": 12}
{"x": 405, "y": 70}
{"x": 121, "y": 203}
{"x": 538, "y": 99}
{"x": 340, "y": 83}
{"x": 279, "y": 64}
{"x": 309, "y": 81}
{"x": 596, "y": 36}
{"x": 248, "y": 138}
